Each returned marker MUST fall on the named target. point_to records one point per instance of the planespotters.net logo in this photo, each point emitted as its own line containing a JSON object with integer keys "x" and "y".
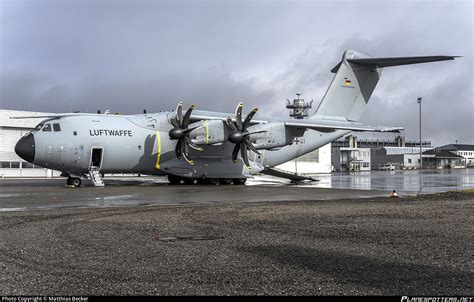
{"x": 437, "y": 299}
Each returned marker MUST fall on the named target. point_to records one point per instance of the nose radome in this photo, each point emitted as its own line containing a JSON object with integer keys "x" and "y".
{"x": 25, "y": 148}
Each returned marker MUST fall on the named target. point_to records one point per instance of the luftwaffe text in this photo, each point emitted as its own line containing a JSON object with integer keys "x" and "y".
{"x": 104, "y": 132}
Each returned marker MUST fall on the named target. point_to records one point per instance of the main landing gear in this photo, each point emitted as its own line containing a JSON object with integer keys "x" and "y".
{"x": 74, "y": 181}
{"x": 176, "y": 180}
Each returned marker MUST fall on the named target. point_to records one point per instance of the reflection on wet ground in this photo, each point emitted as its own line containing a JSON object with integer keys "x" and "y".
{"x": 428, "y": 181}
{"x": 28, "y": 194}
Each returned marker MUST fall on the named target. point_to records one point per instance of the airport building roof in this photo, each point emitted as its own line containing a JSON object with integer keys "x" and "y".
{"x": 6, "y": 121}
{"x": 438, "y": 153}
{"x": 457, "y": 147}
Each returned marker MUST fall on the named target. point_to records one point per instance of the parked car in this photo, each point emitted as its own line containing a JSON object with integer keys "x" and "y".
{"x": 388, "y": 167}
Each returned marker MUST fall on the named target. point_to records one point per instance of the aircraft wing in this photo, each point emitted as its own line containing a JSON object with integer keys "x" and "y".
{"x": 331, "y": 125}
{"x": 199, "y": 115}
{"x": 52, "y": 115}
{"x": 323, "y": 125}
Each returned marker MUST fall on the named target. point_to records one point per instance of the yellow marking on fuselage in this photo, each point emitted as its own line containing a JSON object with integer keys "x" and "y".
{"x": 158, "y": 156}
{"x": 207, "y": 132}
{"x": 191, "y": 162}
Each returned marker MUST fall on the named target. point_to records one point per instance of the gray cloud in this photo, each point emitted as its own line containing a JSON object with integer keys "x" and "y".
{"x": 129, "y": 55}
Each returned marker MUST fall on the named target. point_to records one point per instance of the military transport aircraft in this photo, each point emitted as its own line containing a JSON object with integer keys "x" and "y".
{"x": 203, "y": 146}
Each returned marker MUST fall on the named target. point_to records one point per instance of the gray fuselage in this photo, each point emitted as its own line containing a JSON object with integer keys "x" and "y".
{"x": 141, "y": 144}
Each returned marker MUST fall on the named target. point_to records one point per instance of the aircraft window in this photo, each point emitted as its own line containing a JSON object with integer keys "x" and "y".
{"x": 47, "y": 128}
{"x": 39, "y": 126}
{"x": 56, "y": 127}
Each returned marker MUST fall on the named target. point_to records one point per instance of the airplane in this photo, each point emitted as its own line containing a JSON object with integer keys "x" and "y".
{"x": 202, "y": 146}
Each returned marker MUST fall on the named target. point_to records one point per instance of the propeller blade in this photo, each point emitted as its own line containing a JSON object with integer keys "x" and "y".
{"x": 185, "y": 154}
{"x": 251, "y": 147}
{"x": 190, "y": 129}
{"x": 238, "y": 115}
{"x": 235, "y": 152}
{"x": 243, "y": 153}
{"x": 231, "y": 124}
{"x": 248, "y": 118}
{"x": 177, "y": 150}
{"x": 179, "y": 113}
{"x": 184, "y": 147}
{"x": 174, "y": 122}
{"x": 192, "y": 145}
{"x": 256, "y": 132}
{"x": 187, "y": 116}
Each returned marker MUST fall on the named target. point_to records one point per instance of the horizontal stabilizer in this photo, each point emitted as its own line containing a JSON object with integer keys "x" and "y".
{"x": 395, "y": 61}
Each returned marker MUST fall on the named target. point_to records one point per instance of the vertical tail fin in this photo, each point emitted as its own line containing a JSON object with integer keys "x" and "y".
{"x": 350, "y": 89}
{"x": 355, "y": 80}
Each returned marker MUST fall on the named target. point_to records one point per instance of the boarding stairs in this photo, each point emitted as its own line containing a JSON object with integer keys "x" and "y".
{"x": 96, "y": 177}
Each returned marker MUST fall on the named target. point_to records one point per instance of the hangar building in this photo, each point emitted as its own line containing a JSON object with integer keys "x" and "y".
{"x": 315, "y": 162}
{"x": 11, "y": 130}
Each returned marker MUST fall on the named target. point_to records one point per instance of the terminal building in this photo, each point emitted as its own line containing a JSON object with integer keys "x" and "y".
{"x": 449, "y": 156}
{"x": 464, "y": 150}
{"x": 353, "y": 154}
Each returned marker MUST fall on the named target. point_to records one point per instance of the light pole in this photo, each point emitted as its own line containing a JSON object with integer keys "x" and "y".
{"x": 421, "y": 152}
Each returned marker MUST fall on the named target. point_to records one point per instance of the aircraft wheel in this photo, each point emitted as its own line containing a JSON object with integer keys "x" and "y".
{"x": 174, "y": 180}
{"x": 74, "y": 181}
{"x": 240, "y": 181}
{"x": 188, "y": 181}
{"x": 214, "y": 181}
{"x": 198, "y": 181}
{"x": 227, "y": 181}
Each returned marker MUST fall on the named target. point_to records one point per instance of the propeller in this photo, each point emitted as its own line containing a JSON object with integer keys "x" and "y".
{"x": 240, "y": 136}
{"x": 180, "y": 132}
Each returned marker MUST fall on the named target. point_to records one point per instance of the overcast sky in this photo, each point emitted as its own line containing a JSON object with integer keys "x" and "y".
{"x": 62, "y": 56}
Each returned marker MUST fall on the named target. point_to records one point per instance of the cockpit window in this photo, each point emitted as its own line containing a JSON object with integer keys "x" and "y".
{"x": 39, "y": 126}
{"x": 47, "y": 128}
{"x": 56, "y": 127}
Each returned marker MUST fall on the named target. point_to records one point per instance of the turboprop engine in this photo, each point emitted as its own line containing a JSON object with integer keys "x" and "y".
{"x": 271, "y": 135}
{"x": 208, "y": 132}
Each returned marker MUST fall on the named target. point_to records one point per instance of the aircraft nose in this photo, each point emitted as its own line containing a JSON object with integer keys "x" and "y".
{"x": 25, "y": 148}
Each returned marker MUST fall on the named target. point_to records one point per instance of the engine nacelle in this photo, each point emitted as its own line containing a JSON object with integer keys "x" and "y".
{"x": 210, "y": 132}
{"x": 276, "y": 135}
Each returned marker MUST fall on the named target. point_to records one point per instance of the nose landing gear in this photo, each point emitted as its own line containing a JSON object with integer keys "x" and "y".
{"x": 74, "y": 181}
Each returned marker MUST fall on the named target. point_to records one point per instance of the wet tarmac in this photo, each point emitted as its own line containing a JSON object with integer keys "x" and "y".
{"x": 143, "y": 236}
{"x": 31, "y": 194}
{"x": 34, "y": 194}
